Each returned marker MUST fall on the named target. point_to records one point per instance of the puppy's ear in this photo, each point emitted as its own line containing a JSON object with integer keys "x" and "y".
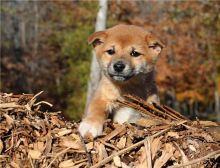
{"x": 155, "y": 45}
{"x": 97, "y": 38}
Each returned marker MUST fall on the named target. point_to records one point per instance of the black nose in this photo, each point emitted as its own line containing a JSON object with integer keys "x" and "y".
{"x": 119, "y": 66}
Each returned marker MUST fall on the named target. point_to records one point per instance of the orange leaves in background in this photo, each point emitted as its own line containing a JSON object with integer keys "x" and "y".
{"x": 189, "y": 31}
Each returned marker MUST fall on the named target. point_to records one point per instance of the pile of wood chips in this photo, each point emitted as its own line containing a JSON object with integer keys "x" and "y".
{"x": 32, "y": 138}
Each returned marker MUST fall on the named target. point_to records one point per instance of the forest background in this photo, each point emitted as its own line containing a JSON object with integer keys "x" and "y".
{"x": 44, "y": 47}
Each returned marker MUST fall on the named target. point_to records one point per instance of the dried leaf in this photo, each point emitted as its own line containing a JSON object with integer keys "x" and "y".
{"x": 117, "y": 161}
{"x": 155, "y": 146}
{"x": 71, "y": 144}
{"x": 122, "y": 142}
{"x": 1, "y": 146}
{"x": 39, "y": 146}
{"x": 167, "y": 153}
{"x": 142, "y": 159}
{"x": 66, "y": 164}
{"x": 205, "y": 123}
{"x": 14, "y": 165}
{"x": 123, "y": 165}
{"x": 148, "y": 122}
{"x": 192, "y": 148}
{"x": 101, "y": 152}
{"x": 173, "y": 134}
{"x": 9, "y": 120}
{"x": 34, "y": 154}
{"x": 63, "y": 132}
{"x": 114, "y": 133}
{"x": 89, "y": 146}
{"x": 184, "y": 157}
{"x": 75, "y": 137}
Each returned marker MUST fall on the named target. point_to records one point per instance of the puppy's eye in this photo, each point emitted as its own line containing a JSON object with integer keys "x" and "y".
{"x": 111, "y": 51}
{"x": 135, "y": 53}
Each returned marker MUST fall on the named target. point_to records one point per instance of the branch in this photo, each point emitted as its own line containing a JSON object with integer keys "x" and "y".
{"x": 198, "y": 160}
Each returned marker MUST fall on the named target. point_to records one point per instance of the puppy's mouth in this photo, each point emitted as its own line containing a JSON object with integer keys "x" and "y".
{"x": 119, "y": 77}
{"x": 120, "y": 71}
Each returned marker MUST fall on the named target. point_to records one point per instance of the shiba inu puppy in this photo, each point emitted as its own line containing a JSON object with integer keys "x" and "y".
{"x": 126, "y": 55}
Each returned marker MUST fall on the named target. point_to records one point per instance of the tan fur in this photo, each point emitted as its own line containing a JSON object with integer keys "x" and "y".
{"x": 124, "y": 39}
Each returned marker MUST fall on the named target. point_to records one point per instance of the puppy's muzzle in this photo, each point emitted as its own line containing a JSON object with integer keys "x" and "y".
{"x": 120, "y": 70}
{"x": 119, "y": 66}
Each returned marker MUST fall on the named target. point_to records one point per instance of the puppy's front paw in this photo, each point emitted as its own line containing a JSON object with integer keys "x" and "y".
{"x": 87, "y": 128}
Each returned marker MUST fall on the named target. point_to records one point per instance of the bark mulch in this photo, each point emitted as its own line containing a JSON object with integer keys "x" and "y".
{"x": 30, "y": 137}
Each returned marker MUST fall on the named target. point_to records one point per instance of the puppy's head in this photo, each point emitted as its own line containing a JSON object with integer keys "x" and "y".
{"x": 125, "y": 51}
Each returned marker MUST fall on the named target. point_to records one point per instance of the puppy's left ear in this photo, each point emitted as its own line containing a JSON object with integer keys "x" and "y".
{"x": 155, "y": 45}
{"x": 97, "y": 38}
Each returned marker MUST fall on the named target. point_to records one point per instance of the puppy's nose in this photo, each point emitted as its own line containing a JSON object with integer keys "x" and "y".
{"x": 119, "y": 66}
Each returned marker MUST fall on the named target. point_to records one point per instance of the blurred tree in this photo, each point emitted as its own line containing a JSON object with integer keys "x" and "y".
{"x": 95, "y": 71}
{"x": 50, "y": 50}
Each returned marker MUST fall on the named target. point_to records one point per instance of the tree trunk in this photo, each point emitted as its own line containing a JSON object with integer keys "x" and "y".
{"x": 217, "y": 101}
{"x": 95, "y": 71}
{"x": 36, "y": 42}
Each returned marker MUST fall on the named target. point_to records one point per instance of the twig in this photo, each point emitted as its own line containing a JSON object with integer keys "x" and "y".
{"x": 36, "y": 95}
{"x": 109, "y": 145}
{"x": 155, "y": 109}
{"x": 43, "y": 102}
{"x": 144, "y": 108}
{"x": 197, "y": 160}
{"x": 10, "y": 105}
{"x": 175, "y": 112}
{"x": 184, "y": 157}
{"x": 58, "y": 154}
{"x": 17, "y": 95}
{"x": 139, "y": 108}
{"x": 80, "y": 165}
{"x": 114, "y": 133}
{"x": 31, "y": 163}
{"x": 12, "y": 142}
{"x": 85, "y": 149}
{"x": 4, "y": 156}
{"x": 108, "y": 159}
{"x": 150, "y": 108}
{"x": 171, "y": 114}
{"x": 80, "y": 161}
{"x": 33, "y": 99}
{"x": 147, "y": 145}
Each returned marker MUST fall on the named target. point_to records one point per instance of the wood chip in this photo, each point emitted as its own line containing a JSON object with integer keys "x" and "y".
{"x": 173, "y": 134}
{"x": 71, "y": 144}
{"x": 102, "y": 153}
{"x": 122, "y": 142}
{"x": 63, "y": 132}
{"x": 1, "y": 146}
{"x": 155, "y": 146}
{"x": 66, "y": 164}
{"x": 117, "y": 161}
{"x": 118, "y": 130}
{"x": 167, "y": 153}
{"x": 34, "y": 154}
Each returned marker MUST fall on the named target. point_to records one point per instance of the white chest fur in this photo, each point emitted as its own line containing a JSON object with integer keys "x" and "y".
{"x": 126, "y": 114}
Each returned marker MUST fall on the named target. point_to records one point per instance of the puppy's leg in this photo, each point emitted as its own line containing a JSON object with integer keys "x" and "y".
{"x": 92, "y": 124}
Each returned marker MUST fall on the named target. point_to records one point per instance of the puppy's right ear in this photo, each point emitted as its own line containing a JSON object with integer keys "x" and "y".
{"x": 97, "y": 38}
